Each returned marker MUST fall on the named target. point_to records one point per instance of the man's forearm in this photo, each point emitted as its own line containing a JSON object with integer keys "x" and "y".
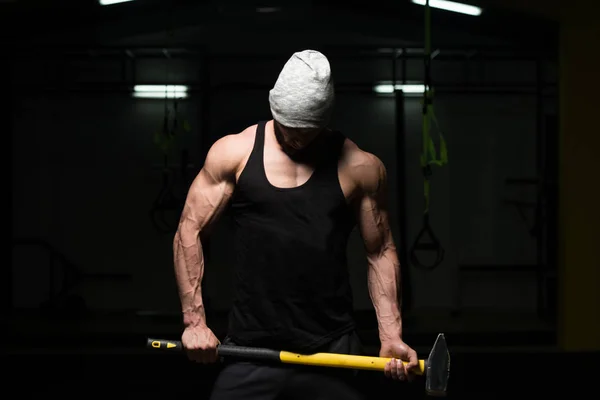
{"x": 383, "y": 283}
{"x": 189, "y": 270}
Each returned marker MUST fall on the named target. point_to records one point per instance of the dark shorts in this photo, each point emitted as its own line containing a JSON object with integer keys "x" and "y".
{"x": 253, "y": 381}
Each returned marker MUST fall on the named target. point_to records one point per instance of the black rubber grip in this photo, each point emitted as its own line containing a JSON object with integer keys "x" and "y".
{"x": 248, "y": 353}
{"x": 227, "y": 351}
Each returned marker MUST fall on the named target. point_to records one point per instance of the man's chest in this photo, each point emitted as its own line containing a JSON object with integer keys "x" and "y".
{"x": 281, "y": 172}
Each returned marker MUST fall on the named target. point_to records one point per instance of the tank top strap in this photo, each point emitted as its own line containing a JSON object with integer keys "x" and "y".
{"x": 258, "y": 149}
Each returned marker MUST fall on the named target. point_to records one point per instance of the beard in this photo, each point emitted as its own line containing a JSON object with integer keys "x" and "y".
{"x": 296, "y": 154}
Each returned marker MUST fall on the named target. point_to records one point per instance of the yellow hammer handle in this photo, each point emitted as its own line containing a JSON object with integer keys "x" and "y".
{"x": 318, "y": 359}
{"x": 342, "y": 361}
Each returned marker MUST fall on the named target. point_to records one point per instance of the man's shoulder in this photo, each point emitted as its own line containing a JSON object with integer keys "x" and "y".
{"x": 355, "y": 157}
{"x": 365, "y": 168}
{"x": 235, "y": 146}
{"x": 231, "y": 151}
{"x": 236, "y": 143}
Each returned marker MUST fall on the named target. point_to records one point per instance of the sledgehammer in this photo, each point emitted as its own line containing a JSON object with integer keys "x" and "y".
{"x": 436, "y": 368}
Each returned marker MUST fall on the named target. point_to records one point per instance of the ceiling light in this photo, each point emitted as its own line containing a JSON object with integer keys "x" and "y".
{"x": 160, "y": 91}
{"x": 407, "y": 88}
{"x": 451, "y": 6}
{"x": 110, "y": 2}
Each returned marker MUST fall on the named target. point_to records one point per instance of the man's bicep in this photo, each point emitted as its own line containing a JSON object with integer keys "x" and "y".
{"x": 209, "y": 193}
{"x": 373, "y": 216}
{"x": 373, "y": 223}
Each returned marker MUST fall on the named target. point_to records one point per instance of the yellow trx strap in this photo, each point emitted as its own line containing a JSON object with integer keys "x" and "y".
{"x": 429, "y": 158}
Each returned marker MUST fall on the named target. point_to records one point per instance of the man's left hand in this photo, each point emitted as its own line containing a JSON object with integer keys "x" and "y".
{"x": 399, "y": 352}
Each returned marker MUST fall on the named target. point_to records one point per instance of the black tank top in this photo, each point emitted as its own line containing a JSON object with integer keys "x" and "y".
{"x": 292, "y": 290}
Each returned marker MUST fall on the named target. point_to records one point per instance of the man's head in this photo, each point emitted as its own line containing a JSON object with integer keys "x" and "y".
{"x": 302, "y": 99}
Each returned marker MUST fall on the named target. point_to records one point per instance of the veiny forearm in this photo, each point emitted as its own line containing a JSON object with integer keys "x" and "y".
{"x": 383, "y": 284}
{"x": 189, "y": 270}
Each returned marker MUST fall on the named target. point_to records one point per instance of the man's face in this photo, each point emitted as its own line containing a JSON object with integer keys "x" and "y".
{"x": 294, "y": 140}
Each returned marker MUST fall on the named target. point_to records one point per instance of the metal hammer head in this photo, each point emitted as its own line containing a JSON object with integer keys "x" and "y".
{"x": 437, "y": 368}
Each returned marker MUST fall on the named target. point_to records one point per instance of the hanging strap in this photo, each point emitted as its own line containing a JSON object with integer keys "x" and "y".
{"x": 426, "y": 240}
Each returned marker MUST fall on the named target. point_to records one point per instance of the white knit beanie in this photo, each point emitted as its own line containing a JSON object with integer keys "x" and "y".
{"x": 303, "y": 94}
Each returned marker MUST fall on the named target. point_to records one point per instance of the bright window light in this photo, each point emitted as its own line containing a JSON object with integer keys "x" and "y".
{"x": 110, "y": 2}
{"x": 160, "y": 91}
{"x": 451, "y": 6}
{"x": 408, "y": 88}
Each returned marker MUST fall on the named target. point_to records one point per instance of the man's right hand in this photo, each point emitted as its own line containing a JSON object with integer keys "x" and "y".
{"x": 200, "y": 344}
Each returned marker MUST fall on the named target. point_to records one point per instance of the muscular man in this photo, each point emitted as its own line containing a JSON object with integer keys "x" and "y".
{"x": 295, "y": 189}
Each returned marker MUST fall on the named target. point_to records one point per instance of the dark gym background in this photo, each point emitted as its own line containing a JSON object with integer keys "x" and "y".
{"x": 95, "y": 200}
